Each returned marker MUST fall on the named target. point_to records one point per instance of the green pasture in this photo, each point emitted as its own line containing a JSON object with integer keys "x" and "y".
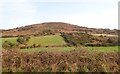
{"x": 104, "y": 49}
{"x": 46, "y": 40}
{"x": 50, "y": 49}
{"x": 64, "y": 49}
{"x": 58, "y": 40}
{"x": 42, "y": 40}
{"x": 11, "y": 39}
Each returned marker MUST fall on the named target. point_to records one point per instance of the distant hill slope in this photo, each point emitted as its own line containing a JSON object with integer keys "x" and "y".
{"x": 52, "y": 28}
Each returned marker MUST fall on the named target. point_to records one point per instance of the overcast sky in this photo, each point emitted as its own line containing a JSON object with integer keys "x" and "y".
{"x": 88, "y": 13}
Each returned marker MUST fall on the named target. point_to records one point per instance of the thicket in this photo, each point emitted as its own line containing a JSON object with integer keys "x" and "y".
{"x": 77, "y": 38}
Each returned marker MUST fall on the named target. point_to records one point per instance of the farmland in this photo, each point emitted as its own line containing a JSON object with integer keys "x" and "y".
{"x": 47, "y": 40}
{"x": 42, "y": 40}
{"x": 57, "y": 40}
{"x": 11, "y": 39}
{"x": 49, "y": 49}
{"x": 103, "y": 49}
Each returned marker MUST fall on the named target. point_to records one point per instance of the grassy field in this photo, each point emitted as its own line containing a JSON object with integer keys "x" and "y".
{"x": 11, "y": 39}
{"x": 65, "y": 49}
{"x": 42, "y": 40}
{"x": 57, "y": 40}
{"x": 50, "y": 49}
{"x": 104, "y": 49}
{"x": 47, "y": 40}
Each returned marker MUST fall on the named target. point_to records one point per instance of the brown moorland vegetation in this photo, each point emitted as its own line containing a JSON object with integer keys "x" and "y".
{"x": 73, "y": 61}
{"x": 53, "y": 28}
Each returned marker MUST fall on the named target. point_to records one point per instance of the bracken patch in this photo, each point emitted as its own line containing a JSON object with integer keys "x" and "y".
{"x": 72, "y": 61}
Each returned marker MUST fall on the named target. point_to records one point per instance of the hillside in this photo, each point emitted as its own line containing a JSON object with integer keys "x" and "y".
{"x": 53, "y": 28}
{"x": 52, "y": 46}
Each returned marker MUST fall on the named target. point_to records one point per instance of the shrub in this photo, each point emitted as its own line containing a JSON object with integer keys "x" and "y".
{"x": 101, "y": 36}
{"x": 24, "y": 39}
{"x": 20, "y": 40}
{"x": 8, "y": 44}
